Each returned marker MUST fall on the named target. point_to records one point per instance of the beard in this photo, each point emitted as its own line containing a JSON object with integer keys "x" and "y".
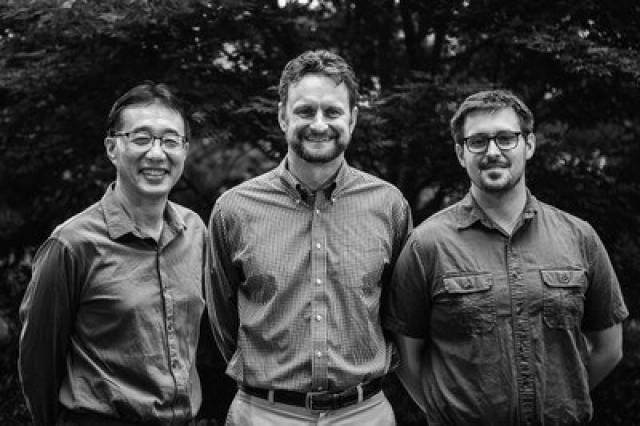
{"x": 498, "y": 184}
{"x": 300, "y": 146}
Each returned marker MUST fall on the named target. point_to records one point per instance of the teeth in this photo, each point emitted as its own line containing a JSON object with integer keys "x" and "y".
{"x": 153, "y": 172}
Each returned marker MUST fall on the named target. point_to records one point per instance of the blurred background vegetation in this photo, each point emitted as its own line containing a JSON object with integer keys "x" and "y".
{"x": 575, "y": 63}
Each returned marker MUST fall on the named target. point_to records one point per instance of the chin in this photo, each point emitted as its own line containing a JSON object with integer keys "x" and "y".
{"x": 156, "y": 191}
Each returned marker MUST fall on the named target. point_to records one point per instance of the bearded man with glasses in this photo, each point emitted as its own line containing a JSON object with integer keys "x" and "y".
{"x": 506, "y": 310}
{"x": 111, "y": 317}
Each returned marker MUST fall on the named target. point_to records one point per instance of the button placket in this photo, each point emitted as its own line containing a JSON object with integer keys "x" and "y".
{"x": 522, "y": 332}
{"x": 319, "y": 344}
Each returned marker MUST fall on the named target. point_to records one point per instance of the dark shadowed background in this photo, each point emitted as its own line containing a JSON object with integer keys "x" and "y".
{"x": 576, "y": 64}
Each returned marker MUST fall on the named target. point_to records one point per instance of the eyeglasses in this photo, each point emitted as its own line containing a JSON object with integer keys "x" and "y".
{"x": 143, "y": 141}
{"x": 479, "y": 142}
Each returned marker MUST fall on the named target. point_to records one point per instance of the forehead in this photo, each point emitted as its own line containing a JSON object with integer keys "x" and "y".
{"x": 317, "y": 88}
{"x": 491, "y": 121}
{"x": 152, "y": 115}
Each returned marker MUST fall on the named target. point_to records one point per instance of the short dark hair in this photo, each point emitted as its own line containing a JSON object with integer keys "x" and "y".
{"x": 490, "y": 101}
{"x": 320, "y": 62}
{"x": 147, "y": 93}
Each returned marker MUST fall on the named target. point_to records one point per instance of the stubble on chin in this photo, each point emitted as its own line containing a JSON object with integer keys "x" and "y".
{"x": 317, "y": 158}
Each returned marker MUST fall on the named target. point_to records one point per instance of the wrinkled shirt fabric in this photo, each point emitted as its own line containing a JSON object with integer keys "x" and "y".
{"x": 111, "y": 319}
{"x": 297, "y": 277}
{"x": 504, "y": 317}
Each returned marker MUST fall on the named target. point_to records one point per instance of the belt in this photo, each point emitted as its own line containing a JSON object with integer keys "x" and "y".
{"x": 319, "y": 401}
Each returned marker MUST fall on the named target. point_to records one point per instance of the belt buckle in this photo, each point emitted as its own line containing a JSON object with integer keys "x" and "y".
{"x": 308, "y": 401}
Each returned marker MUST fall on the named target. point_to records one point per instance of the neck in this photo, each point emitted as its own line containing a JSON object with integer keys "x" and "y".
{"x": 148, "y": 214}
{"x": 503, "y": 208}
{"x": 313, "y": 175}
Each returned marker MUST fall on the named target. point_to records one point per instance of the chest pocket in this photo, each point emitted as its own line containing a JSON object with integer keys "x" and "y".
{"x": 467, "y": 304}
{"x": 563, "y": 298}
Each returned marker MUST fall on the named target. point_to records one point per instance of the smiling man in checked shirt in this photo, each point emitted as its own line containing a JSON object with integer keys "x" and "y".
{"x": 300, "y": 258}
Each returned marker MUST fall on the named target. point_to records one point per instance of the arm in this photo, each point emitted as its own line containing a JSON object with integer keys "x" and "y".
{"x": 46, "y": 315}
{"x": 408, "y": 372}
{"x": 605, "y": 353}
{"x": 221, "y": 284}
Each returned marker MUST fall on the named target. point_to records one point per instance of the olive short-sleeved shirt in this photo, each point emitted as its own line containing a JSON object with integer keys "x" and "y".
{"x": 504, "y": 316}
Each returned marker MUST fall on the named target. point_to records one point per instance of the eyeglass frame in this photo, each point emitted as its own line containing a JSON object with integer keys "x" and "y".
{"x": 465, "y": 141}
{"x": 144, "y": 148}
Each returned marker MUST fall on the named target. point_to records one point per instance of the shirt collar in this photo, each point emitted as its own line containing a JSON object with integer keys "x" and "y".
{"x": 120, "y": 223}
{"x": 300, "y": 190}
{"x": 469, "y": 212}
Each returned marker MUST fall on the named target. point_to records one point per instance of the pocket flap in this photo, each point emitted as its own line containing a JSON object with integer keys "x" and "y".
{"x": 468, "y": 284}
{"x": 563, "y": 278}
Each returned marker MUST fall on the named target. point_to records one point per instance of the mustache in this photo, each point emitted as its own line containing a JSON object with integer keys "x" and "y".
{"x": 330, "y": 133}
{"x": 487, "y": 164}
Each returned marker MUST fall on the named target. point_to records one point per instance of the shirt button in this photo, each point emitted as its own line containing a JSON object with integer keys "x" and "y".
{"x": 318, "y": 246}
{"x": 170, "y": 327}
{"x": 318, "y": 317}
{"x": 318, "y": 354}
{"x": 564, "y": 278}
{"x": 174, "y": 364}
{"x": 318, "y": 281}
{"x": 317, "y": 211}
{"x": 514, "y": 275}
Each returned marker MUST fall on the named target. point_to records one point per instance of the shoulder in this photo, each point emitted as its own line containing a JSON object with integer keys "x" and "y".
{"x": 265, "y": 183}
{"x": 442, "y": 222}
{"x": 80, "y": 227}
{"x": 553, "y": 216}
{"x": 358, "y": 179}
{"x": 191, "y": 219}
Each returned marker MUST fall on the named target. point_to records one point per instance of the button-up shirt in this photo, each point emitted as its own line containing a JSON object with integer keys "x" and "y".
{"x": 111, "y": 318}
{"x": 504, "y": 316}
{"x": 297, "y": 278}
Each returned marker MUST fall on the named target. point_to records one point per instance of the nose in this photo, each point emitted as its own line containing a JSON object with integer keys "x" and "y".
{"x": 156, "y": 151}
{"x": 319, "y": 123}
{"x": 492, "y": 148}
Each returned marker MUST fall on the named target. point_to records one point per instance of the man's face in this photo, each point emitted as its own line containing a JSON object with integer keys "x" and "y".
{"x": 317, "y": 120}
{"x": 495, "y": 170}
{"x": 147, "y": 173}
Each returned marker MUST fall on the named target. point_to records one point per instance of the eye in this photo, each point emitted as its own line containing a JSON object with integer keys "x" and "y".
{"x": 304, "y": 111}
{"x": 140, "y": 138}
{"x": 171, "y": 141}
{"x": 477, "y": 140}
{"x": 333, "y": 112}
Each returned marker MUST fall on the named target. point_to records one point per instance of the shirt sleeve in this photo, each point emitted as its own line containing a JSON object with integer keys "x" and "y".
{"x": 407, "y": 306}
{"x": 221, "y": 288}
{"x": 46, "y": 313}
{"x": 604, "y": 304}
{"x": 404, "y": 223}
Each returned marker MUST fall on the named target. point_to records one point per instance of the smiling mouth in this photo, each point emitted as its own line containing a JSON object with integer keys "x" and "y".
{"x": 317, "y": 140}
{"x": 153, "y": 172}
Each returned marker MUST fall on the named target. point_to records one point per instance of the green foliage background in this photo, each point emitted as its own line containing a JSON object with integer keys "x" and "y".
{"x": 576, "y": 64}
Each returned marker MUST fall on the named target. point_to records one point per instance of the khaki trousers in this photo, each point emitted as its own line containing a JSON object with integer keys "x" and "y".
{"x": 247, "y": 410}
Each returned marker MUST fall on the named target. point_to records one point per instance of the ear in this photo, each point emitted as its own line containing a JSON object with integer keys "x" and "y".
{"x": 354, "y": 119}
{"x": 186, "y": 148}
{"x": 530, "y": 145}
{"x": 460, "y": 153}
{"x": 111, "y": 145}
{"x": 282, "y": 116}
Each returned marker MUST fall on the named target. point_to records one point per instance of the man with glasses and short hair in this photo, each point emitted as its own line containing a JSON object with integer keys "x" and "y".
{"x": 301, "y": 256}
{"x": 111, "y": 317}
{"x": 505, "y": 309}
